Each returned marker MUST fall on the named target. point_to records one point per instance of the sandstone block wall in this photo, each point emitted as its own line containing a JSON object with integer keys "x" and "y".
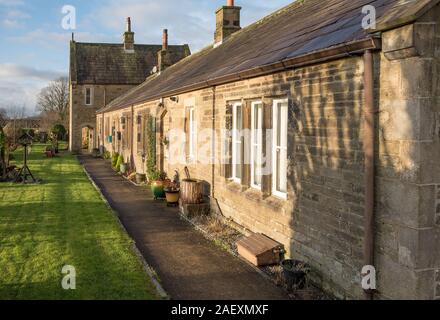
{"x": 82, "y": 115}
{"x": 321, "y": 222}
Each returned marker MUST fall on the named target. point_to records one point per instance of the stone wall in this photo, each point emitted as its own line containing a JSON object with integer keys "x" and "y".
{"x": 82, "y": 115}
{"x": 322, "y": 220}
{"x": 408, "y": 235}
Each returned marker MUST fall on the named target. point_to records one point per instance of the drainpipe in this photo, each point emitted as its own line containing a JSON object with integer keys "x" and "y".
{"x": 213, "y": 155}
{"x": 368, "y": 144}
{"x": 132, "y": 136}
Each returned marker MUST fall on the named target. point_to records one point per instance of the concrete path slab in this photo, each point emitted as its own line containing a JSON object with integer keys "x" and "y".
{"x": 189, "y": 266}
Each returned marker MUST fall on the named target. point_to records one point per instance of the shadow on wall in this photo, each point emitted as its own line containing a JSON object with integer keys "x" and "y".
{"x": 325, "y": 172}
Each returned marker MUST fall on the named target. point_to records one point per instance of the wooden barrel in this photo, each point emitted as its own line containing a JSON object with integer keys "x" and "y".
{"x": 191, "y": 191}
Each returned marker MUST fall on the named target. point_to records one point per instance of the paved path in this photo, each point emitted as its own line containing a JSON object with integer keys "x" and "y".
{"x": 189, "y": 266}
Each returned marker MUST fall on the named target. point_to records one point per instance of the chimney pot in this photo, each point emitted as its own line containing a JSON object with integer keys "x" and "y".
{"x": 165, "y": 39}
{"x": 230, "y": 3}
{"x": 128, "y": 24}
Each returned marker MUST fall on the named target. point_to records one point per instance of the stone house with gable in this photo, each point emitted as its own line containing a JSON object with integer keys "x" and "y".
{"x": 101, "y": 72}
{"x": 347, "y": 120}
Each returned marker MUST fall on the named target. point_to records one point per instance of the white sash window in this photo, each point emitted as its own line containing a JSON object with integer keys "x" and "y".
{"x": 237, "y": 156}
{"x": 257, "y": 144}
{"x": 279, "y": 153}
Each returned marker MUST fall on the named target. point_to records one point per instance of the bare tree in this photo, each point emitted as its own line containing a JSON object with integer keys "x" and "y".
{"x": 55, "y": 99}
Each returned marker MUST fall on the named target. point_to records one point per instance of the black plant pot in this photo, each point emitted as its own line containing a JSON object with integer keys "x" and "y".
{"x": 294, "y": 272}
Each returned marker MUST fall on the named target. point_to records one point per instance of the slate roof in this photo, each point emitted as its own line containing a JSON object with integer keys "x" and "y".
{"x": 299, "y": 29}
{"x": 102, "y": 63}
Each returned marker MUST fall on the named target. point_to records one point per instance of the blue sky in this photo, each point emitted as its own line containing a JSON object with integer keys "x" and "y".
{"x": 34, "y": 46}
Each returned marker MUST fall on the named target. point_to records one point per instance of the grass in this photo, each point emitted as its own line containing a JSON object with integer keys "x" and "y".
{"x": 63, "y": 221}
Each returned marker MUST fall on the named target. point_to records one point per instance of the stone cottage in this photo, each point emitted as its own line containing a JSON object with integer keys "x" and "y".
{"x": 313, "y": 130}
{"x": 100, "y": 72}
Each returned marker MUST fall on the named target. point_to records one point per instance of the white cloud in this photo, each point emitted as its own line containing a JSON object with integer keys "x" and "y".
{"x": 56, "y": 39}
{"x": 15, "y": 19}
{"x": 20, "y": 85}
{"x": 17, "y": 14}
{"x": 11, "y": 24}
{"x": 13, "y": 71}
{"x": 20, "y": 94}
{"x": 11, "y": 3}
{"x": 188, "y": 21}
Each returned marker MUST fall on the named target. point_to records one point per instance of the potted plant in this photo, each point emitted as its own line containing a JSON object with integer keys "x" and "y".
{"x": 50, "y": 152}
{"x": 294, "y": 273}
{"x": 95, "y": 153}
{"x": 115, "y": 158}
{"x": 158, "y": 181}
{"x": 140, "y": 178}
{"x": 172, "y": 193}
{"x": 123, "y": 168}
{"x": 119, "y": 162}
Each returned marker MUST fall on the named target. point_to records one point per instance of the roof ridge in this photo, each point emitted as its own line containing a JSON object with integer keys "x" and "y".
{"x": 295, "y": 31}
{"x": 121, "y": 44}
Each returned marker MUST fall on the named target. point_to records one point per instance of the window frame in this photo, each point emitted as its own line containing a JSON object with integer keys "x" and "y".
{"x": 90, "y": 103}
{"x": 275, "y": 147}
{"x": 191, "y": 133}
{"x": 236, "y": 141}
{"x": 258, "y": 144}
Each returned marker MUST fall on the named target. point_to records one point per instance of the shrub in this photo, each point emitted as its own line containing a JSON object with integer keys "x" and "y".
{"x": 107, "y": 155}
{"x": 115, "y": 157}
{"x": 157, "y": 175}
{"x": 59, "y": 131}
{"x": 119, "y": 162}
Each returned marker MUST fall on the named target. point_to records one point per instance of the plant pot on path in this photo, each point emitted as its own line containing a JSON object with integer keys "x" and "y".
{"x": 140, "y": 178}
{"x": 123, "y": 168}
{"x": 172, "y": 192}
{"x": 157, "y": 187}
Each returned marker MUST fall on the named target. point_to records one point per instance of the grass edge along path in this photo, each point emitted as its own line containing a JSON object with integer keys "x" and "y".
{"x": 148, "y": 269}
{"x": 64, "y": 221}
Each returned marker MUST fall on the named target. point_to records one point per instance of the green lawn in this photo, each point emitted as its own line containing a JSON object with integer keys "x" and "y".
{"x": 63, "y": 221}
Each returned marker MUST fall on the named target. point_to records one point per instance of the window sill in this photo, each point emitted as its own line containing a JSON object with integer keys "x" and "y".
{"x": 234, "y": 186}
{"x": 271, "y": 202}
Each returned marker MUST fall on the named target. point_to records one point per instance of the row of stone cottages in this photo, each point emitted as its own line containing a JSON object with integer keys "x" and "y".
{"x": 353, "y": 143}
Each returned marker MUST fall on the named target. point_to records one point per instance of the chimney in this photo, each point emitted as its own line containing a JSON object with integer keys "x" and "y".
{"x": 128, "y": 37}
{"x": 163, "y": 56}
{"x": 165, "y": 40}
{"x": 227, "y": 21}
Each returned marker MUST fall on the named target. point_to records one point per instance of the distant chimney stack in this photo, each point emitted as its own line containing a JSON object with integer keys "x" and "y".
{"x": 128, "y": 37}
{"x": 227, "y": 21}
{"x": 164, "y": 56}
{"x": 165, "y": 40}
